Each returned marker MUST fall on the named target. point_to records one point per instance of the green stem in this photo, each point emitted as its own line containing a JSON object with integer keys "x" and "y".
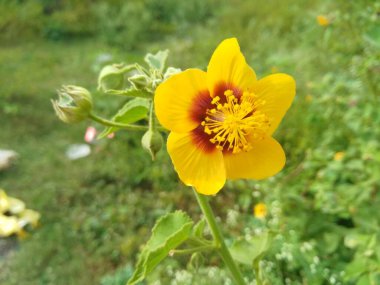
{"x": 256, "y": 267}
{"x": 191, "y": 250}
{"x": 109, "y": 123}
{"x": 219, "y": 240}
{"x": 199, "y": 241}
{"x": 152, "y": 117}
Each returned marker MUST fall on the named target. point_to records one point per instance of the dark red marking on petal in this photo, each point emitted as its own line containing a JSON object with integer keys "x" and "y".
{"x": 202, "y": 140}
{"x": 221, "y": 87}
{"x": 200, "y": 104}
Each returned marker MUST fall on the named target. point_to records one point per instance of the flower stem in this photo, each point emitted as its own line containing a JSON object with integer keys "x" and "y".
{"x": 109, "y": 123}
{"x": 219, "y": 240}
{"x": 256, "y": 267}
{"x": 191, "y": 250}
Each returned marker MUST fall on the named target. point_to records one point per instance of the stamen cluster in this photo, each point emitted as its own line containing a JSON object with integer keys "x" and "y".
{"x": 234, "y": 119}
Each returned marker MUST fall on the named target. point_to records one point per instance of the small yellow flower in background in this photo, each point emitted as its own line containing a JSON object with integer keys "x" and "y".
{"x": 323, "y": 21}
{"x": 16, "y": 206}
{"x": 339, "y": 155}
{"x": 222, "y": 120}
{"x": 309, "y": 98}
{"x": 14, "y": 217}
{"x": 4, "y": 202}
{"x": 8, "y": 226}
{"x": 260, "y": 210}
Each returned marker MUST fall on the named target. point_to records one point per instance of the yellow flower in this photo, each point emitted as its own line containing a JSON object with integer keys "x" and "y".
{"x": 4, "y": 202}
{"x": 309, "y": 98}
{"x": 338, "y": 156}
{"x": 222, "y": 120}
{"x": 260, "y": 210}
{"x": 323, "y": 21}
{"x": 8, "y": 226}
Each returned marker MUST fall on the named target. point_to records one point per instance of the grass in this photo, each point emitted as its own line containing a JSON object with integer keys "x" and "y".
{"x": 97, "y": 211}
{"x": 65, "y": 199}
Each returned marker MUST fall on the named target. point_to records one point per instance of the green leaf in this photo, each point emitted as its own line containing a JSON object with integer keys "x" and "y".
{"x": 356, "y": 268}
{"x": 112, "y": 76}
{"x": 248, "y": 252}
{"x": 332, "y": 241}
{"x": 199, "y": 228}
{"x": 373, "y": 36}
{"x": 196, "y": 260}
{"x": 364, "y": 280}
{"x": 131, "y": 112}
{"x": 169, "y": 232}
{"x": 158, "y": 60}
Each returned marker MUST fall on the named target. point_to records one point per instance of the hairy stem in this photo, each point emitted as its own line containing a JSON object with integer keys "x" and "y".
{"x": 221, "y": 247}
{"x": 109, "y": 123}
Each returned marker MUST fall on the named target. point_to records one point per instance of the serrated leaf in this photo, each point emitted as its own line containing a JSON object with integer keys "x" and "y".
{"x": 168, "y": 233}
{"x": 248, "y": 252}
{"x": 158, "y": 60}
{"x": 131, "y": 112}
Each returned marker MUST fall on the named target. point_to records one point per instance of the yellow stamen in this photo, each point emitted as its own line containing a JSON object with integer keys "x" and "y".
{"x": 231, "y": 122}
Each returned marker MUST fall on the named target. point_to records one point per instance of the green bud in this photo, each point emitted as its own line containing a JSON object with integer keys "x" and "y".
{"x": 139, "y": 81}
{"x": 111, "y": 77}
{"x": 196, "y": 261}
{"x": 152, "y": 142}
{"x": 74, "y": 104}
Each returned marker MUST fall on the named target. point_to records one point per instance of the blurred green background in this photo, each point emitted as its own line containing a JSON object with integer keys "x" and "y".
{"x": 98, "y": 211}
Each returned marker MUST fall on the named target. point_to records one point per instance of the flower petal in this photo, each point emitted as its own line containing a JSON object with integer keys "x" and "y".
{"x": 278, "y": 91}
{"x": 175, "y": 98}
{"x": 264, "y": 160}
{"x": 228, "y": 66}
{"x": 196, "y": 166}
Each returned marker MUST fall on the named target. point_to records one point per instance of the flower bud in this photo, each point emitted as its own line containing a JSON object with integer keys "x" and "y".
{"x": 139, "y": 81}
{"x": 74, "y": 104}
{"x": 111, "y": 77}
{"x": 152, "y": 142}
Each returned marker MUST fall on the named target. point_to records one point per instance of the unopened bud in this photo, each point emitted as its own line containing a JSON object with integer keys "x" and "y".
{"x": 139, "y": 81}
{"x": 74, "y": 104}
{"x": 152, "y": 142}
{"x": 111, "y": 77}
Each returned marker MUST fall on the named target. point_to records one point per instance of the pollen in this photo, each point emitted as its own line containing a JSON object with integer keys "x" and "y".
{"x": 232, "y": 121}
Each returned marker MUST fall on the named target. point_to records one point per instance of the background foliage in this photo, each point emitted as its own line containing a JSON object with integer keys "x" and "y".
{"x": 97, "y": 211}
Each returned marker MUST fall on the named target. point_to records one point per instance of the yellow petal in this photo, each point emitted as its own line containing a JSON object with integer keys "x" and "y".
{"x": 4, "y": 202}
{"x": 16, "y": 206}
{"x": 8, "y": 226}
{"x": 200, "y": 167}
{"x": 278, "y": 91}
{"x": 228, "y": 67}
{"x": 177, "y": 96}
{"x": 265, "y": 159}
